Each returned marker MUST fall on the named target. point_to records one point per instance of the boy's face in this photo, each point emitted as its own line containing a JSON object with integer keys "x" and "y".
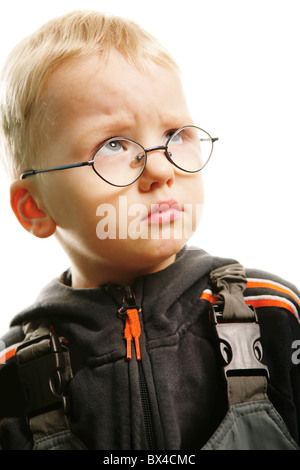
{"x": 89, "y": 102}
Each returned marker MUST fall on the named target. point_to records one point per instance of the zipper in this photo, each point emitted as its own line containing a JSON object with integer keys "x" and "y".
{"x": 132, "y": 332}
{"x": 146, "y": 409}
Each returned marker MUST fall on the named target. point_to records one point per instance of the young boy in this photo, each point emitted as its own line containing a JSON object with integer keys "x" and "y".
{"x": 120, "y": 352}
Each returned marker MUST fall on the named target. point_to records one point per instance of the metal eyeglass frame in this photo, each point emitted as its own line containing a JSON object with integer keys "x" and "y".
{"x": 146, "y": 151}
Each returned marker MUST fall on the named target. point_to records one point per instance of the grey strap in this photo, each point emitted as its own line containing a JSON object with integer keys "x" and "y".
{"x": 230, "y": 282}
{"x": 244, "y": 389}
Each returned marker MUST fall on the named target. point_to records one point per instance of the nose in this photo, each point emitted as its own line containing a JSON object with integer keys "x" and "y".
{"x": 159, "y": 170}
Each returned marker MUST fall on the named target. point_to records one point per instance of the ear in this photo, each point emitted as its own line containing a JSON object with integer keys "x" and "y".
{"x": 30, "y": 216}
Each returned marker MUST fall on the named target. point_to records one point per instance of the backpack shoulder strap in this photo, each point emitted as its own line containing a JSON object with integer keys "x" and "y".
{"x": 238, "y": 332}
{"x": 33, "y": 377}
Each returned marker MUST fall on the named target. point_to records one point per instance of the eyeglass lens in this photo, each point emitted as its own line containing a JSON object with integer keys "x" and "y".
{"x": 121, "y": 161}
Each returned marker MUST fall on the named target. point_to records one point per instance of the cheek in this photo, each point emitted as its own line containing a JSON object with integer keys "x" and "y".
{"x": 197, "y": 186}
{"x": 70, "y": 198}
{"x": 191, "y": 188}
{"x": 199, "y": 189}
{"x": 193, "y": 200}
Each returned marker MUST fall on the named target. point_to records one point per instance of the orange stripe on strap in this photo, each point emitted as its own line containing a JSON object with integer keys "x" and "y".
{"x": 208, "y": 295}
{"x": 256, "y": 301}
{"x": 252, "y": 284}
{"x": 7, "y": 355}
{"x": 263, "y": 302}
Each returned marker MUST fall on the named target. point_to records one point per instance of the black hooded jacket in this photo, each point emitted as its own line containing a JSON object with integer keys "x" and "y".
{"x": 175, "y": 396}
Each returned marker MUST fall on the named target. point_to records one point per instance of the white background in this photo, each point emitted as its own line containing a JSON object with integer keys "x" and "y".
{"x": 240, "y": 66}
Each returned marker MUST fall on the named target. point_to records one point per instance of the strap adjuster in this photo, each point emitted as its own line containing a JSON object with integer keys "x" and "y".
{"x": 42, "y": 371}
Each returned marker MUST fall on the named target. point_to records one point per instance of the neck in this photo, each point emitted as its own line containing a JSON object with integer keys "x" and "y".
{"x": 83, "y": 278}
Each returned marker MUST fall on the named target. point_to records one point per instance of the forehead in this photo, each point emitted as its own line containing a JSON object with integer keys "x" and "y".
{"x": 91, "y": 85}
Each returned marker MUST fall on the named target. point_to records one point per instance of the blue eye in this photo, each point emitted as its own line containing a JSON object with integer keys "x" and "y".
{"x": 111, "y": 148}
{"x": 177, "y": 139}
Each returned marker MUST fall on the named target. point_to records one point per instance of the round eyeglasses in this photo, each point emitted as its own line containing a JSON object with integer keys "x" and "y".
{"x": 120, "y": 161}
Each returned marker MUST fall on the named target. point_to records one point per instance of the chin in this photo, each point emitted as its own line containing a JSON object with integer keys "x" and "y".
{"x": 161, "y": 250}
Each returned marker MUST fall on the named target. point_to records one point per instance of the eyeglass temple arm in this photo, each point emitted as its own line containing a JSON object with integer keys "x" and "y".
{"x": 213, "y": 139}
{"x": 65, "y": 167}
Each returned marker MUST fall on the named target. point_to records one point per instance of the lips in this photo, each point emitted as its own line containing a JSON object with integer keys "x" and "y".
{"x": 164, "y": 211}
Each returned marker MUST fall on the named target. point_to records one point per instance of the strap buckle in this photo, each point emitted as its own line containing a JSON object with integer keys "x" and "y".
{"x": 240, "y": 345}
{"x": 42, "y": 364}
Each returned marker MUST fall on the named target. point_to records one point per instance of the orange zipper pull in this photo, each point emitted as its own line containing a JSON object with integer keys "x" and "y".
{"x": 133, "y": 325}
{"x": 130, "y": 311}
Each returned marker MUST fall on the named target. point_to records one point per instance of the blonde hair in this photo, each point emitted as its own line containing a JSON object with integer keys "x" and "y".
{"x": 23, "y": 114}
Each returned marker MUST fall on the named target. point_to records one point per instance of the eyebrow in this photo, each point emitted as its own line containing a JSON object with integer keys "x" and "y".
{"x": 105, "y": 130}
{"x": 175, "y": 120}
